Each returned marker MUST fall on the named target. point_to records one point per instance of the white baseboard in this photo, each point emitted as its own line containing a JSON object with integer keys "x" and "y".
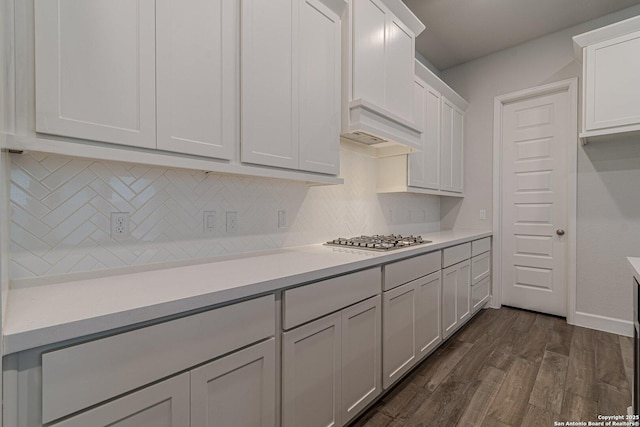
{"x": 603, "y": 323}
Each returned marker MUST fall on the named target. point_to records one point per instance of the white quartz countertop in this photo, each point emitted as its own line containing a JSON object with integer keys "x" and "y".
{"x": 41, "y": 314}
{"x": 635, "y": 267}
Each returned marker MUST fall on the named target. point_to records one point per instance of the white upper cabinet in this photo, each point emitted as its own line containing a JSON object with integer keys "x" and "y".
{"x": 452, "y": 141}
{"x": 379, "y": 44}
{"x": 291, "y": 84}
{"x": 438, "y": 168}
{"x": 424, "y": 166}
{"x": 95, "y": 70}
{"x": 198, "y": 76}
{"x": 610, "y": 83}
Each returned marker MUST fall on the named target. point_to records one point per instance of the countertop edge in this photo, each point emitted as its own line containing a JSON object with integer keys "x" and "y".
{"x": 30, "y": 338}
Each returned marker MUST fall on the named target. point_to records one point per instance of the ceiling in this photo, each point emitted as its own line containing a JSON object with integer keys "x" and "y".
{"x": 461, "y": 30}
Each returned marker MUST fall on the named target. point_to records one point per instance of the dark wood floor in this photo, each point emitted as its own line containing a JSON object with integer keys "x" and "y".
{"x": 512, "y": 367}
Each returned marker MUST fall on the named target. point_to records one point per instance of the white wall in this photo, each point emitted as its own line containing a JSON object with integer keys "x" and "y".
{"x": 60, "y": 209}
{"x": 608, "y": 216}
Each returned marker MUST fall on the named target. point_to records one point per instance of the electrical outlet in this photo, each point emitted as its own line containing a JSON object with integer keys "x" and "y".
{"x": 209, "y": 222}
{"x": 282, "y": 219}
{"x": 119, "y": 225}
{"x": 483, "y": 214}
{"x": 232, "y": 222}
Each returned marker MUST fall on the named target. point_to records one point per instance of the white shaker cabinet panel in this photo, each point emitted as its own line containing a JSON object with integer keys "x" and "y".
{"x": 319, "y": 112}
{"x": 311, "y": 369}
{"x": 399, "y": 332}
{"x": 197, "y": 76}
{"x": 165, "y": 404}
{"x": 612, "y": 86}
{"x": 95, "y": 73}
{"x": 370, "y": 20}
{"x": 291, "y": 84}
{"x": 400, "y": 52}
{"x": 424, "y": 166}
{"x": 269, "y": 85}
{"x": 451, "y": 146}
{"x": 428, "y": 329}
{"x": 456, "y": 296}
{"x": 361, "y": 354}
{"x": 236, "y": 390}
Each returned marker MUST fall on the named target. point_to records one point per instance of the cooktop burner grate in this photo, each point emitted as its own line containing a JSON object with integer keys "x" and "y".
{"x": 379, "y": 242}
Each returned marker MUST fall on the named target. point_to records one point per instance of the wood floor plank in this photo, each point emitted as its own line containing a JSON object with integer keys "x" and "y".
{"x": 534, "y": 342}
{"x": 537, "y": 417}
{"x": 609, "y": 364}
{"x": 612, "y": 400}
{"x": 511, "y": 402}
{"x": 397, "y": 400}
{"x": 548, "y": 390}
{"x": 581, "y": 374}
{"x": 373, "y": 418}
{"x": 626, "y": 347}
{"x": 473, "y": 331}
{"x": 490, "y": 381}
{"x": 561, "y": 333}
{"x": 500, "y": 360}
{"x": 516, "y": 334}
{"x": 576, "y": 407}
{"x": 443, "y": 364}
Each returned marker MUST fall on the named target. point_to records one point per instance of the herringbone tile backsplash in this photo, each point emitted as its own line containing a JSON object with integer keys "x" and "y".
{"x": 61, "y": 207}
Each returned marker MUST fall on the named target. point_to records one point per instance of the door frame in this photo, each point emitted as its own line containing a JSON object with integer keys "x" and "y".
{"x": 569, "y": 86}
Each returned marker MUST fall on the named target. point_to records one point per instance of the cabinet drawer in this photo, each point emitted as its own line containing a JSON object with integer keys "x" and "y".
{"x": 318, "y": 299}
{"x": 480, "y": 293}
{"x": 480, "y": 246}
{"x": 401, "y": 272}
{"x": 77, "y": 377}
{"x": 480, "y": 267}
{"x": 456, "y": 254}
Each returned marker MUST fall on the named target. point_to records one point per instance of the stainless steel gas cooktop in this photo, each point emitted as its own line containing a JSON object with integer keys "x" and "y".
{"x": 378, "y": 242}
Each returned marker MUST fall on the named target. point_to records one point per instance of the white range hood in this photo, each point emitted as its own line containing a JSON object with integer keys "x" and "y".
{"x": 378, "y": 54}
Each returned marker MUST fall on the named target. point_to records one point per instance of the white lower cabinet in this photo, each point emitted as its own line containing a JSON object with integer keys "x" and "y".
{"x": 165, "y": 404}
{"x": 428, "y": 330}
{"x": 361, "y": 353}
{"x": 331, "y": 367}
{"x": 398, "y": 332}
{"x": 311, "y": 368}
{"x": 236, "y": 390}
{"x": 456, "y": 296}
{"x": 411, "y": 325}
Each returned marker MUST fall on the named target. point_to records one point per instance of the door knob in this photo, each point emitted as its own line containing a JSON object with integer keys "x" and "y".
{"x": 560, "y": 232}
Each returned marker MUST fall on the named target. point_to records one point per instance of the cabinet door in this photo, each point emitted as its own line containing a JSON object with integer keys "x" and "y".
{"x": 236, "y": 390}
{"x": 319, "y": 113}
{"x": 165, "y": 404}
{"x": 424, "y": 166}
{"x": 463, "y": 283}
{"x": 399, "y": 68}
{"x": 457, "y": 151}
{"x": 452, "y": 147}
{"x": 428, "y": 330}
{"x": 417, "y": 170}
{"x": 369, "y": 22}
{"x": 480, "y": 293}
{"x": 311, "y": 374}
{"x": 449, "y": 300}
{"x": 95, "y": 74}
{"x": 361, "y": 353}
{"x": 446, "y": 146}
{"x": 612, "y": 88}
{"x": 398, "y": 332}
{"x": 197, "y": 76}
{"x": 269, "y": 83}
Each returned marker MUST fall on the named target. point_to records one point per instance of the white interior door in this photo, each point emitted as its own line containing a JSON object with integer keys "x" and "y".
{"x": 535, "y": 142}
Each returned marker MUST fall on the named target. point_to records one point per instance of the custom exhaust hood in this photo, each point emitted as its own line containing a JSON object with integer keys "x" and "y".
{"x": 378, "y": 54}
